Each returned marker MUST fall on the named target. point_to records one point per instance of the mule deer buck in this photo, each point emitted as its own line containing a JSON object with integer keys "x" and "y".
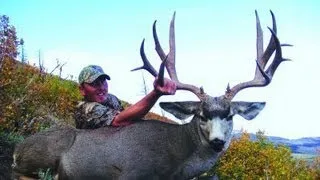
{"x": 155, "y": 150}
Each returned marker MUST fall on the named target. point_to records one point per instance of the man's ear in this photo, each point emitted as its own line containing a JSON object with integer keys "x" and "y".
{"x": 82, "y": 91}
{"x": 181, "y": 110}
{"x": 248, "y": 110}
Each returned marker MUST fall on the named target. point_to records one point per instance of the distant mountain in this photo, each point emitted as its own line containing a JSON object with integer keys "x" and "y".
{"x": 307, "y": 145}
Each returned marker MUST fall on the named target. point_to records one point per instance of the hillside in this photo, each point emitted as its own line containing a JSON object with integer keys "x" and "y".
{"x": 306, "y": 145}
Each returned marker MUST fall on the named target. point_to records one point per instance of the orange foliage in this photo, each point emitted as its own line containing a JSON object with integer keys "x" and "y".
{"x": 155, "y": 116}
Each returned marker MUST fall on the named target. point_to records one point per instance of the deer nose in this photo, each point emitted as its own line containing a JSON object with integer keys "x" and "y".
{"x": 217, "y": 144}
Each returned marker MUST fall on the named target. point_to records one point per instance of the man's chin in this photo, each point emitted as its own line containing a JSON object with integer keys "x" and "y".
{"x": 101, "y": 99}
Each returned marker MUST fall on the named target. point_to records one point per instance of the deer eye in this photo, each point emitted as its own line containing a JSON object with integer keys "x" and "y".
{"x": 203, "y": 118}
{"x": 229, "y": 118}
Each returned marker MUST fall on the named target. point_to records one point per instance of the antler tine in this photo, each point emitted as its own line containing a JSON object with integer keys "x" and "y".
{"x": 263, "y": 57}
{"x": 277, "y": 58}
{"x": 262, "y": 78}
{"x": 272, "y": 45}
{"x": 158, "y": 47}
{"x": 170, "y": 62}
{"x": 146, "y": 64}
{"x": 171, "y": 65}
{"x": 259, "y": 42}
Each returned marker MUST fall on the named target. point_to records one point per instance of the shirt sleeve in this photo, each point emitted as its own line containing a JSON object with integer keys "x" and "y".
{"x": 92, "y": 115}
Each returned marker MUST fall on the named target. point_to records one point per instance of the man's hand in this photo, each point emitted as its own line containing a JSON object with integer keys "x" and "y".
{"x": 169, "y": 87}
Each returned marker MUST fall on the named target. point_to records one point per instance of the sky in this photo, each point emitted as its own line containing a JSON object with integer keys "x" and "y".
{"x": 215, "y": 42}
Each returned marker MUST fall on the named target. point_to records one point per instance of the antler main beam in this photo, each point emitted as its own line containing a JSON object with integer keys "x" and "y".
{"x": 262, "y": 77}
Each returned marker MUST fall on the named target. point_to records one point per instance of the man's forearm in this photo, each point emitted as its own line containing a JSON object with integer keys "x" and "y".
{"x": 138, "y": 110}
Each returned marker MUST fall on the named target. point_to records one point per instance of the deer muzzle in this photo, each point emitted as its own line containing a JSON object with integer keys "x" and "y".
{"x": 217, "y": 144}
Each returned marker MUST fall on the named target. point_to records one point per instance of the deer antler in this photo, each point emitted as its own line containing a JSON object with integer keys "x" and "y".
{"x": 262, "y": 78}
{"x": 168, "y": 61}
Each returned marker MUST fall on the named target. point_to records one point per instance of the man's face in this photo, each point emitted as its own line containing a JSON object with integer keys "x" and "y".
{"x": 96, "y": 91}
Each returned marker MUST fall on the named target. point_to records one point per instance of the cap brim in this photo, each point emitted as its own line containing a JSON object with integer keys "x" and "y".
{"x": 105, "y": 75}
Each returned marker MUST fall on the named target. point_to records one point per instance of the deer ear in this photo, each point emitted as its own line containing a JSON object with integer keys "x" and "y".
{"x": 181, "y": 110}
{"x": 248, "y": 110}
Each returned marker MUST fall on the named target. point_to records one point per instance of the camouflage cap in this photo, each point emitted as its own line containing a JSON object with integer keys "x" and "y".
{"x": 91, "y": 73}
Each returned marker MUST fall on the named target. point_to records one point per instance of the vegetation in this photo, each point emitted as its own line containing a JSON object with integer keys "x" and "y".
{"x": 8, "y": 38}
{"x": 247, "y": 159}
{"x": 31, "y": 100}
{"x": 7, "y": 143}
{"x": 45, "y": 174}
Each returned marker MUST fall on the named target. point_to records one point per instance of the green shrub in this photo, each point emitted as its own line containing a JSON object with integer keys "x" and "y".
{"x": 12, "y": 138}
{"x": 45, "y": 174}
